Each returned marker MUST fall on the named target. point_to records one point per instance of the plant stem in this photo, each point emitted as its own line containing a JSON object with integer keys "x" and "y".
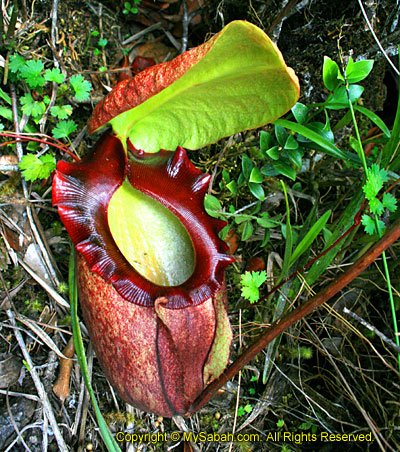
{"x": 306, "y": 308}
{"x": 385, "y": 265}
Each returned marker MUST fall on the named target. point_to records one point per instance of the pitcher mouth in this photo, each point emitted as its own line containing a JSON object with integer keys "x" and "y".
{"x": 89, "y": 195}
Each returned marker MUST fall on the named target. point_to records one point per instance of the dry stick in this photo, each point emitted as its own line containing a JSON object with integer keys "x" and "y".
{"x": 42, "y": 250}
{"x": 281, "y": 325}
{"x": 282, "y": 15}
{"x": 53, "y": 98}
{"x": 378, "y": 436}
{"x": 185, "y": 26}
{"x": 38, "y": 384}
{"x": 138, "y": 35}
{"x": 372, "y": 328}
{"x": 376, "y": 38}
{"x": 16, "y": 429}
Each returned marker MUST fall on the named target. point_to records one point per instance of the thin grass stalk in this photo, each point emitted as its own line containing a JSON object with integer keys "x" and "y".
{"x": 385, "y": 265}
{"x": 108, "y": 439}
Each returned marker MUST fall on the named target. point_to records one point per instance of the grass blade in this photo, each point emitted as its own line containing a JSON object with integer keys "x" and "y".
{"x": 309, "y": 237}
{"x": 326, "y": 145}
{"x": 289, "y": 238}
{"x": 108, "y": 439}
{"x": 374, "y": 118}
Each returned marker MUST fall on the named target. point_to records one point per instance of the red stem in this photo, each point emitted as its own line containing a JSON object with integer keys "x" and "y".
{"x": 357, "y": 221}
{"x": 282, "y": 324}
{"x": 57, "y": 144}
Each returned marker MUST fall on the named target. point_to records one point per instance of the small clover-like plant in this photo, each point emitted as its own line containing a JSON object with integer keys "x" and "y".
{"x": 130, "y": 8}
{"x": 251, "y": 282}
{"x": 34, "y": 167}
{"x": 81, "y": 87}
{"x": 34, "y": 103}
{"x": 376, "y": 177}
{"x": 242, "y": 410}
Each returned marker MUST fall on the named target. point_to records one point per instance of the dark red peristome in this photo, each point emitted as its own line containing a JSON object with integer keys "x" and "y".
{"x": 83, "y": 190}
{"x": 132, "y": 92}
{"x": 141, "y": 63}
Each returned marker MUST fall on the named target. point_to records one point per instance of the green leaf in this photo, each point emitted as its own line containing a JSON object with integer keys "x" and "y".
{"x": 389, "y": 201}
{"x": 247, "y": 231}
{"x": 266, "y": 141}
{"x": 81, "y": 87}
{"x": 374, "y": 118}
{"x": 232, "y": 187}
{"x": 328, "y": 147}
{"x": 257, "y": 191}
{"x": 330, "y": 73}
{"x": 212, "y": 206}
{"x": 267, "y": 236}
{"x": 370, "y": 225}
{"x": 300, "y": 112}
{"x": 343, "y": 223}
{"x": 265, "y": 222}
{"x": 376, "y": 177}
{"x": 376, "y": 206}
{"x": 31, "y": 71}
{"x": 242, "y": 218}
{"x": 296, "y": 157}
{"x": 5, "y": 97}
{"x": 284, "y": 168}
{"x": 64, "y": 128}
{"x": 6, "y": 113}
{"x": 269, "y": 170}
{"x": 247, "y": 166}
{"x": 31, "y": 107}
{"x": 16, "y": 62}
{"x": 291, "y": 143}
{"x": 287, "y": 231}
{"x": 321, "y": 129}
{"x": 102, "y": 42}
{"x": 37, "y": 168}
{"x": 281, "y": 135}
{"x": 256, "y": 176}
{"x": 274, "y": 153}
{"x": 61, "y": 112}
{"x": 250, "y": 282}
{"x": 340, "y": 100}
{"x": 54, "y": 75}
{"x": 225, "y": 82}
{"x": 309, "y": 237}
{"x": 225, "y": 176}
{"x": 355, "y": 72}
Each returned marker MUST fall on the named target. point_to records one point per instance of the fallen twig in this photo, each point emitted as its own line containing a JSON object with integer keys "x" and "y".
{"x": 38, "y": 384}
{"x": 372, "y": 328}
